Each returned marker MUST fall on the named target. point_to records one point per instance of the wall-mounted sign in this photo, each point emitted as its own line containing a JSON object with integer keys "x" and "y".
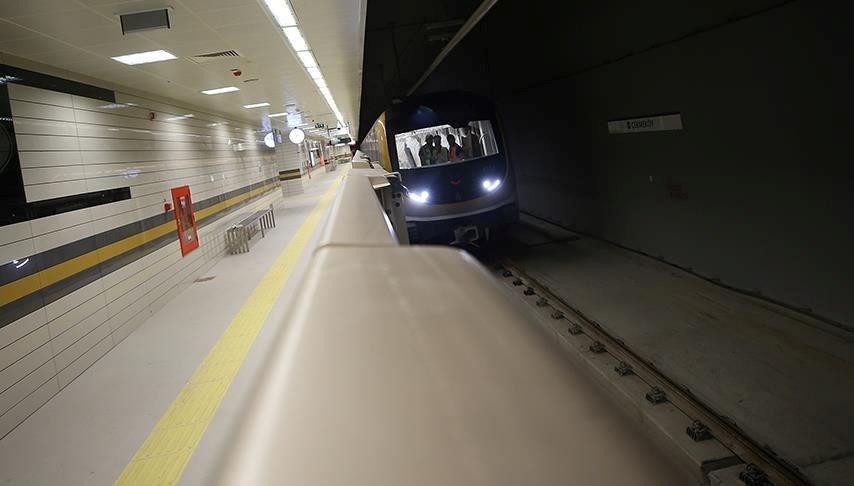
{"x": 657, "y": 123}
{"x": 187, "y": 234}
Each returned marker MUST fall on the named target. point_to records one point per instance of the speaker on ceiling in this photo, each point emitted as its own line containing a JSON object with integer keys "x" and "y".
{"x": 143, "y": 21}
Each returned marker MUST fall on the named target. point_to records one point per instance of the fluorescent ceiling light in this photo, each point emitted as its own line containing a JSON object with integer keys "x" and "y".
{"x": 182, "y": 117}
{"x": 326, "y": 92}
{"x": 320, "y": 82}
{"x": 281, "y": 12}
{"x": 314, "y": 73}
{"x": 295, "y": 38}
{"x": 145, "y": 57}
{"x": 307, "y": 59}
{"x": 274, "y": 115}
{"x": 257, "y": 105}
{"x": 216, "y": 91}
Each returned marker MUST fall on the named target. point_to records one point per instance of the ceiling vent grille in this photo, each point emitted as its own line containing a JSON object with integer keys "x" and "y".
{"x": 215, "y": 56}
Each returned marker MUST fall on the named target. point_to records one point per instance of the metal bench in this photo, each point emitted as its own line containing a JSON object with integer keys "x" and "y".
{"x": 238, "y": 235}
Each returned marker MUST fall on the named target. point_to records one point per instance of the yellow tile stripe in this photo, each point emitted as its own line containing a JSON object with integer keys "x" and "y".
{"x": 39, "y": 280}
{"x": 165, "y": 453}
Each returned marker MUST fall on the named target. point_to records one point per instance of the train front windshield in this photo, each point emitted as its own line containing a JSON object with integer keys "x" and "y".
{"x": 444, "y": 144}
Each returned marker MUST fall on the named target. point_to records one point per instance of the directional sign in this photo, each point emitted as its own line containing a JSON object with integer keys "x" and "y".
{"x": 658, "y": 123}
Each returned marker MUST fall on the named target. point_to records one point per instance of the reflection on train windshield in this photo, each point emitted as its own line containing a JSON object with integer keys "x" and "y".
{"x": 445, "y": 144}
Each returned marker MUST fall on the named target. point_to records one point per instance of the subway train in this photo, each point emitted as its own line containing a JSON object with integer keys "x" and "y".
{"x": 450, "y": 153}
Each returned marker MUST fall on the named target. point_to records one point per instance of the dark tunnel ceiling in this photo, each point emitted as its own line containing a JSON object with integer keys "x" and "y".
{"x": 402, "y": 38}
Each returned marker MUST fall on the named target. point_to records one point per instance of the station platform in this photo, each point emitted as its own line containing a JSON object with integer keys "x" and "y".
{"x": 109, "y": 422}
{"x": 784, "y": 378}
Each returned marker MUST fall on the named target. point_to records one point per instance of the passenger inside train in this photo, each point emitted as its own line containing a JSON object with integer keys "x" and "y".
{"x": 438, "y": 145}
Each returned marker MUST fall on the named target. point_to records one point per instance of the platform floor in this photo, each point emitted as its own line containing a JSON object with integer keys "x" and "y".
{"x": 783, "y": 377}
{"x": 87, "y": 434}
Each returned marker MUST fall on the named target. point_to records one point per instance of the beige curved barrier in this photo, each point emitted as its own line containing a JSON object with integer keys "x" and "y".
{"x": 403, "y": 365}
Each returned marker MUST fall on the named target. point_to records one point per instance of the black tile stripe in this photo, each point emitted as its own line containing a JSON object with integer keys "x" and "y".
{"x": 46, "y": 81}
{"x": 32, "y": 302}
{"x": 290, "y": 174}
{"x": 65, "y": 204}
{"x": 15, "y": 310}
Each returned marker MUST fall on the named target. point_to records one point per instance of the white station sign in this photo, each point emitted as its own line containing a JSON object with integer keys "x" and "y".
{"x": 659, "y": 123}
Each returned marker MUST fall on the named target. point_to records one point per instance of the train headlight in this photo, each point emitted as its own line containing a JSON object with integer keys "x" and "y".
{"x": 420, "y": 197}
{"x": 491, "y": 184}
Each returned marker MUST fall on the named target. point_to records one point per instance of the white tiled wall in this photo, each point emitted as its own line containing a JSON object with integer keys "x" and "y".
{"x": 69, "y": 145}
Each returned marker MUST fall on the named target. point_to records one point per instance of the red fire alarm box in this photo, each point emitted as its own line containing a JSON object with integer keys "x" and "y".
{"x": 183, "y": 204}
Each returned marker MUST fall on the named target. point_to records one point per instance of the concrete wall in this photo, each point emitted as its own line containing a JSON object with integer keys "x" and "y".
{"x": 73, "y": 285}
{"x": 754, "y": 191}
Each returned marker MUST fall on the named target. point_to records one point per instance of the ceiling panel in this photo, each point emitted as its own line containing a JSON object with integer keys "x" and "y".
{"x": 89, "y": 37}
{"x": 235, "y": 16}
{"x": 9, "y": 31}
{"x": 20, "y": 8}
{"x": 128, "y": 45}
{"x": 30, "y": 46}
{"x": 58, "y": 23}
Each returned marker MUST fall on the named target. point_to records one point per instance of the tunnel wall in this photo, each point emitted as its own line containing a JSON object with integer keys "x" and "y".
{"x": 74, "y": 284}
{"x": 754, "y": 191}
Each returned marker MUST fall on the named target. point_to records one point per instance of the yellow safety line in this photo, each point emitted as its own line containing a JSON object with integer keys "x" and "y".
{"x": 165, "y": 453}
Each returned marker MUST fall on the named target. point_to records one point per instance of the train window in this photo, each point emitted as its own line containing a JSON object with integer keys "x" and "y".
{"x": 470, "y": 141}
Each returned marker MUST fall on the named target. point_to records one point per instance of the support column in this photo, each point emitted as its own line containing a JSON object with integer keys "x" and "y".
{"x": 289, "y": 163}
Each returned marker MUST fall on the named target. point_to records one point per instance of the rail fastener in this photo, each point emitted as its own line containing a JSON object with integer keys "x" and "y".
{"x": 517, "y": 281}
{"x": 574, "y": 329}
{"x": 698, "y": 431}
{"x": 542, "y": 302}
{"x": 655, "y": 396}
{"x": 623, "y": 369}
{"x": 597, "y": 347}
{"x": 529, "y": 291}
{"x": 557, "y": 315}
{"x": 754, "y": 476}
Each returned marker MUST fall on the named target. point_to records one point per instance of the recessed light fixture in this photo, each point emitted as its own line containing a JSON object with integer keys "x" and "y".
{"x": 295, "y": 38}
{"x": 314, "y": 73}
{"x": 320, "y": 82}
{"x": 216, "y": 91}
{"x": 145, "y": 57}
{"x": 275, "y": 115}
{"x": 281, "y": 12}
{"x": 182, "y": 117}
{"x": 257, "y": 105}
{"x": 307, "y": 59}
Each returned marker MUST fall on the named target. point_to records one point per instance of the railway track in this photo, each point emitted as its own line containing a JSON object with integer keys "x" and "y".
{"x": 753, "y": 464}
